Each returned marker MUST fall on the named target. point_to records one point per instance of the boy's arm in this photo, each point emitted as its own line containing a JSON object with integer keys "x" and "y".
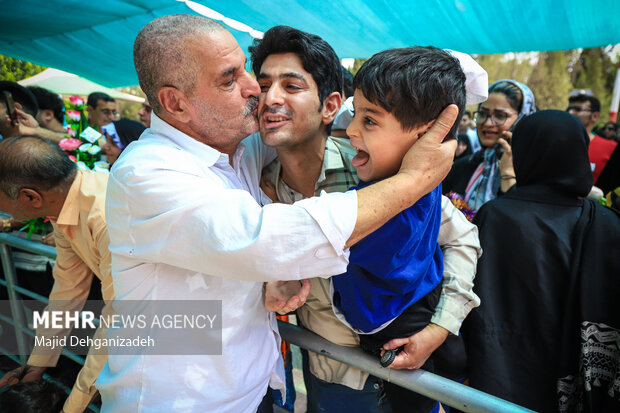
{"x": 460, "y": 245}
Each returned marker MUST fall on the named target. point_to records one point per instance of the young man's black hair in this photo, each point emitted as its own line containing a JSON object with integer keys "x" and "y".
{"x": 414, "y": 84}
{"x": 317, "y": 56}
{"x": 22, "y": 96}
{"x": 595, "y": 104}
{"x": 95, "y": 97}
{"x": 49, "y": 100}
{"x": 347, "y": 83}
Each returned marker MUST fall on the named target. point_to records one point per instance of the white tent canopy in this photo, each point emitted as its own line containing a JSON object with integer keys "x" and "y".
{"x": 65, "y": 83}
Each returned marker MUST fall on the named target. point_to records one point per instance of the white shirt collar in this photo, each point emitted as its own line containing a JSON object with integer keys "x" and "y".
{"x": 208, "y": 154}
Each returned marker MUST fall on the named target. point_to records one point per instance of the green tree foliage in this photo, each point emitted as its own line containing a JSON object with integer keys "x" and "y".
{"x": 595, "y": 70}
{"x": 550, "y": 81}
{"x": 15, "y": 70}
{"x": 508, "y": 66}
{"x": 553, "y": 75}
{"x": 128, "y": 109}
{"x": 357, "y": 63}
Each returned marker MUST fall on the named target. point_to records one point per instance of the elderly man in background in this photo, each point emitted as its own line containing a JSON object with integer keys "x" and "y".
{"x": 38, "y": 179}
{"x": 201, "y": 229}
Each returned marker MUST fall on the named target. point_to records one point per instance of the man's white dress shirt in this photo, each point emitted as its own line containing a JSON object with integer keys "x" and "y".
{"x": 185, "y": 225}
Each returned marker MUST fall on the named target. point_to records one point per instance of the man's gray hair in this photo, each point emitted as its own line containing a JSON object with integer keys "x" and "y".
{"x": 161, "y": 57}
{"x": 33, "y": 162}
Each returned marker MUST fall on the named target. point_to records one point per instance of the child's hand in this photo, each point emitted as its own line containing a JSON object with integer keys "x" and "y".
{"x": 417, "y": 348}
{"x": 286, "y": 296}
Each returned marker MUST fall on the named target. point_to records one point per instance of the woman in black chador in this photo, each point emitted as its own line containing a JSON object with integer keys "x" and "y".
{"x": 547, "y": 332}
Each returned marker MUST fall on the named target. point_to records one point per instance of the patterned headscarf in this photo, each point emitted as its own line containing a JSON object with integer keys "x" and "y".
{"x": 484, "y": 183}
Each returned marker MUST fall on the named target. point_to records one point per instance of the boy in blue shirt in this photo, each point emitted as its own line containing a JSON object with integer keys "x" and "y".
{"x": 393, "y": 281}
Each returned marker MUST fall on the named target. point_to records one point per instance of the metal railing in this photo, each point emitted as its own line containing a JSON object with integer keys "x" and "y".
{"x": 428, "y": 384}
{"x": 18, "y": 320}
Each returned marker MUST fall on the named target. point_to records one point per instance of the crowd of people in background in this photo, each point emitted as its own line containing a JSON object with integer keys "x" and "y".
{"x": 501, "y": 273}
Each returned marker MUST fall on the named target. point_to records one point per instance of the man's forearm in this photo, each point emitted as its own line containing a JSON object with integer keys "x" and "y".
{"x": 50, "y": 134}
{"x": 379, "y": 202}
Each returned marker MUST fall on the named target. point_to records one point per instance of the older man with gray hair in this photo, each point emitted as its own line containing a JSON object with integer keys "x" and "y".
{"x": 37, "y": 179}
{"x": 188, "y": 221}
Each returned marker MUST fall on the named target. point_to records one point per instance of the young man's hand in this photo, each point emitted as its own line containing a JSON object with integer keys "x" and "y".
{"x": 417, "y": 348}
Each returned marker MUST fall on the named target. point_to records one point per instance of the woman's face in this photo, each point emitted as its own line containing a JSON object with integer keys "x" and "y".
{"x": 497, "y": 109}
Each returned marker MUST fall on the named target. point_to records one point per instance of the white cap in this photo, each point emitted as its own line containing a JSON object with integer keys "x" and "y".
{"x": 476, "y": 78}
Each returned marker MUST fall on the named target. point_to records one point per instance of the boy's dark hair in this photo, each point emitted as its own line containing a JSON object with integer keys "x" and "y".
{"x": 95, "y": 97}
{"x": 20, "y": 95}
{"x": 468, "y": 113}
{"x": 414, "y": 84}
{"x": 595, "y": 104}
{"x": 49, "y": 100}
{"x": 317, "y": 56}
{"x": 347, "y": 82}
{"x": 32, "y": 397}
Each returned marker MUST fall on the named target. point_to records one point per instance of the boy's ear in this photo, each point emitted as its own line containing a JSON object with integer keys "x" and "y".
{"x": 331, "y": 106}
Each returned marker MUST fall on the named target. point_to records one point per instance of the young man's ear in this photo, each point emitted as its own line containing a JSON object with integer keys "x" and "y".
{"x": 595, "y": 116}
{"x": 30, "y": 197}
{"x": 331, "y": 106}
{"x": 174, "y": 103}
{"x": 47, "y": 115}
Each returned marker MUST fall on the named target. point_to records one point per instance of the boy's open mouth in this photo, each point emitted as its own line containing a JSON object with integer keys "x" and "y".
{"x": 360, "y": 159}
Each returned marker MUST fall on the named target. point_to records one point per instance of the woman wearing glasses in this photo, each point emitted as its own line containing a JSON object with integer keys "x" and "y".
{"x": 478, "y": 178}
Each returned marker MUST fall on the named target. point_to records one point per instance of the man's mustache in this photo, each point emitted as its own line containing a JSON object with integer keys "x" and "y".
{"x": 252, "y": 104}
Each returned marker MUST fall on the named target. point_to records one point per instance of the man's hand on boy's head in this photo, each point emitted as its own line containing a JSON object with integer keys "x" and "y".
{"x": 417, "y": 348}
{"x": 429, "y": 159}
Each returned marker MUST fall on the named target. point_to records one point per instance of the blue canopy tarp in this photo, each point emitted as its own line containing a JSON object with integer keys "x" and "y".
{"x": 94, "y": 38}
